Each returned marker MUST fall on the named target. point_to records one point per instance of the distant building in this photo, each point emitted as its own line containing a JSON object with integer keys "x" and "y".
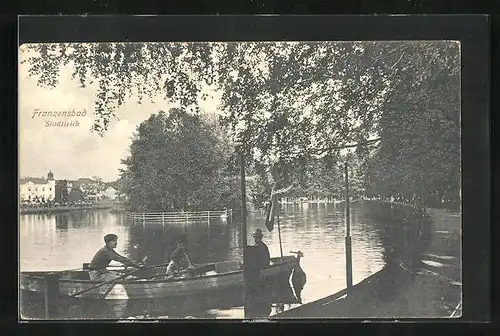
{"x": 84, "y": 184}
{"x": 87, "y": 182}
{"x": 74, "y": 185}
{"x": 109, "y": 192}
{"x": 34, "y": 189}
{"x": 88, "y": 186}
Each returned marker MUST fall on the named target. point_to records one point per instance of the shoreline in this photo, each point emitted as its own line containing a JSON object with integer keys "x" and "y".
{"x": 58, "y": 209}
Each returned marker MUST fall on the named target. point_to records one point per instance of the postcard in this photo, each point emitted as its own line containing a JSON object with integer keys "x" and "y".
{"x": 240, "y": 180}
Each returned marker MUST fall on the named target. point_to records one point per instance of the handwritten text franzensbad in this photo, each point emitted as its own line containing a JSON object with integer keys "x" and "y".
{"x": 72, "y": 113}
{"x": 59, "y": 114}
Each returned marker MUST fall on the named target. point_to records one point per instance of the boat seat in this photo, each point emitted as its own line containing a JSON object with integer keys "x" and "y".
{"x": 227, "y": 266}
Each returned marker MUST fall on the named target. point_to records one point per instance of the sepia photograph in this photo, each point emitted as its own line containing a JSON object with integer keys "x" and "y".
{"x": 240, "y": 180}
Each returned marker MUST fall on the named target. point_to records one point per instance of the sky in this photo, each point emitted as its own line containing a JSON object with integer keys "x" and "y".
{"x": 74, "y": 152}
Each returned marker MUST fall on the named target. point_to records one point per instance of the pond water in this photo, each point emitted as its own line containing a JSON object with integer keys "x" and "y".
{"x": 67, "y": 240}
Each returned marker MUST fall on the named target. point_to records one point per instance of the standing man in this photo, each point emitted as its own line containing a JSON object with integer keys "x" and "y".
{"x": 261, "y": 250}
{"x": 258, "y": 303}
{"x": 97, "y": 267}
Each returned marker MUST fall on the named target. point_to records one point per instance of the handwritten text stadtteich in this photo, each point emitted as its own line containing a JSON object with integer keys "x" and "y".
{"x": 54, "y": 115}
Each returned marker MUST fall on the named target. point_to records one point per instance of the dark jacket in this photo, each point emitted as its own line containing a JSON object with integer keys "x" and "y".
{"x": 104, "y": 256}
{"x": 262, "y": 255}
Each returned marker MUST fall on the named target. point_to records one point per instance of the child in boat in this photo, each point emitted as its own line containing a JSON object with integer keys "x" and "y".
{"x": 179, "y": 260}
{"x": 101, "y": 260}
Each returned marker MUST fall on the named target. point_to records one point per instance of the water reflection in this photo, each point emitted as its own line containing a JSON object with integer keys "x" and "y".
{"x": 62, "y": 222}
{"x": 318, "y": 231}
{"x": 206, "y": 242}
{"x": 67, "y": 240}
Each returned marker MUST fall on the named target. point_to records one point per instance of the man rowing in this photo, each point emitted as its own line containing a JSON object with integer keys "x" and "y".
{"x": 101, "y": 260}
{"x": 179, "y": 260}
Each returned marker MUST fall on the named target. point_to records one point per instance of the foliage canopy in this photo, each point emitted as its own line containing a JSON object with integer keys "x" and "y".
{"x": 289, "y": 103}
{"x": 177, "y": 163}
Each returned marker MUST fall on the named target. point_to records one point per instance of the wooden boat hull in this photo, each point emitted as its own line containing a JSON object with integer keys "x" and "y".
{"x": 204, "y": 292}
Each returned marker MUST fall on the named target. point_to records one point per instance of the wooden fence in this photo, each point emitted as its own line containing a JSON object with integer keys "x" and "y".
{"x": 178, "y": 217}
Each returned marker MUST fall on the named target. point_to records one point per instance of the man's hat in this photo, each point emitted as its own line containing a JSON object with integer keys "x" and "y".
{"x": 257, "y": 233}
{"x": 110, "y": 237}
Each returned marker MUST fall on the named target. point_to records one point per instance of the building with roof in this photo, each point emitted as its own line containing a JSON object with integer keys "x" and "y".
{"x": 32, "y": 189}
{"x": 109, "y": 192}
{"x": 92, "y": 189}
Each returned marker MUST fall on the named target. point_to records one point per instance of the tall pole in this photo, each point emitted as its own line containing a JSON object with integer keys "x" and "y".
{"x": 279, "y": 232}
{"x": 279, "y": 236}
{"x": 244, "y": 234}
{"x": 348, "y": 250}
{"x": 243, "y": 203}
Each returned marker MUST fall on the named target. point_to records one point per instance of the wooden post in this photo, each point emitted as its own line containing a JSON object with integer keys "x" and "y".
{"x": 279, "y": 232}
{"x": 348, "y": 247}
{"x": 162, "y": 218}
{"x": 246, "y": 267}
{"x": 208, "y": 216}
{"x": 143, "y": 219}
{"x": 51, "y": 295}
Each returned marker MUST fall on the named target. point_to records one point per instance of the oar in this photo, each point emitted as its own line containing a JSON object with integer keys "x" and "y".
{"x": 123, "y": 268}
{"x": 115, "y": 279}
{"x": 113, "y": 285}
{"x": 197, "y": 269}
{"x": 105, "y": 283}
{"x": 118, "y": 268}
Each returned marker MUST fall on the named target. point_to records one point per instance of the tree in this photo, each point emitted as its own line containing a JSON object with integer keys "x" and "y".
{"x": 419, "y": 154}
{"x": 96, "y": 178}
{"x": 259, "y": 92}
{"x": 176, "y": 163}
{"x": 76, "y": 195}
{"x": 286, "y": 103}
{"x": 61, "y": 191}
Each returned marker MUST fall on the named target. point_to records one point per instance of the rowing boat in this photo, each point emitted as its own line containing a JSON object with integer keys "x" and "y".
{"x": 214, "y": 279}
